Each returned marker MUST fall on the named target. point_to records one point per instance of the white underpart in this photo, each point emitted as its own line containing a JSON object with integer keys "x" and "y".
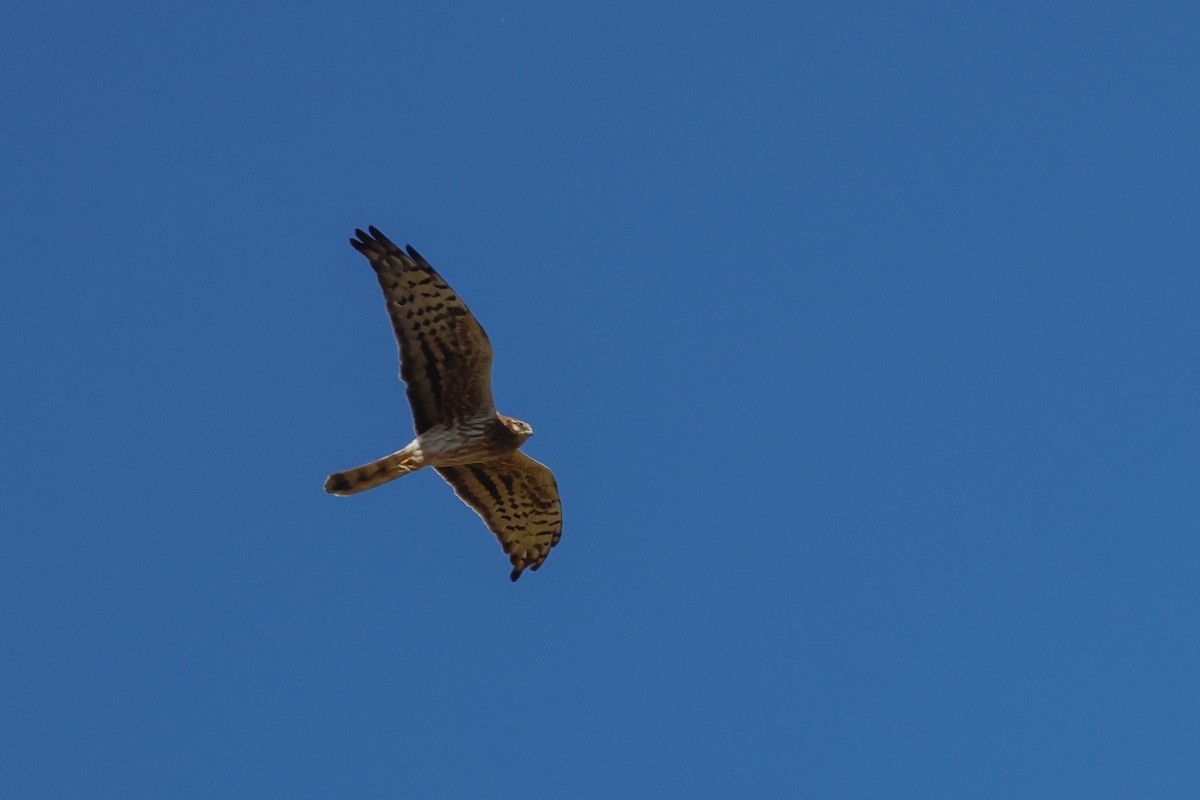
{"x": 445, "y": 446}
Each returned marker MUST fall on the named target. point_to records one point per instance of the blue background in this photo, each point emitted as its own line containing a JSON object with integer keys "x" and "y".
{"x": 862, "y": 338}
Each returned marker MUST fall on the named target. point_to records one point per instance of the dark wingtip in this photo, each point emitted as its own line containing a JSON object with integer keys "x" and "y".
{"x": 373, "y": 236}
{"x": 373, "y": 244}
{"x": 516, "y": 573}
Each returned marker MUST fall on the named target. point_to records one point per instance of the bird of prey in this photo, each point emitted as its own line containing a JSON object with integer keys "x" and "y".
{"x": 446, "y": 363}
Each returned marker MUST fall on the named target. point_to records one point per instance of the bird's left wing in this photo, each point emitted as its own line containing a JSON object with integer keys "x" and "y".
{"x": 517, "y": 497}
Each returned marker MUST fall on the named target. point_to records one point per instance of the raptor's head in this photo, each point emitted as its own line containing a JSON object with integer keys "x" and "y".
{"x": 522, "y": 430}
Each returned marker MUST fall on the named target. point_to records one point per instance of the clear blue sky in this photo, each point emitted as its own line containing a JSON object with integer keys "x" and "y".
{"x": 862, "y": 337}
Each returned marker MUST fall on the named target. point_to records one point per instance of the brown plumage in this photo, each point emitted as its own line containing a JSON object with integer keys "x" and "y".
{"x": 446, "y": 362}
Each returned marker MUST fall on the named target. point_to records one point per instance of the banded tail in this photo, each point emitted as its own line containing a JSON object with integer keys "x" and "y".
{"x": 368, "y": 476}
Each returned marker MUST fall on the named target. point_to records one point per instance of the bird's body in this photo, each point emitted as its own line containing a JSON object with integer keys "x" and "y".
{"x": 467, "y": 442}
{"x": 445, "y": 360}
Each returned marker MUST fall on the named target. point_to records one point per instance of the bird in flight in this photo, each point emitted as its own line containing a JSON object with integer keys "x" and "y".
{"x": 446, "y": 364}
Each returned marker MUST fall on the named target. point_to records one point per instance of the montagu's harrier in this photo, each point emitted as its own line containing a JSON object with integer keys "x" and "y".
{"x": 446, "y": 362}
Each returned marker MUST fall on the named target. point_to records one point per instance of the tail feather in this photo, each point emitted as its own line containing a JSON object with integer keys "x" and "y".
{"x": 368, "y": 476}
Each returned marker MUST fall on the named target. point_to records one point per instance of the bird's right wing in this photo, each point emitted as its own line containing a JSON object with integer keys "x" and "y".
{"x": 445, "y": 356}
